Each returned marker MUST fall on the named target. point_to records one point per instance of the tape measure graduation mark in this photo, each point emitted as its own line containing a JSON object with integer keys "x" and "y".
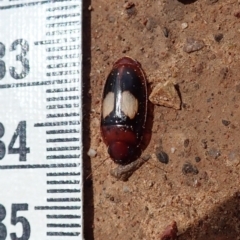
{"x": 40, "y": 115}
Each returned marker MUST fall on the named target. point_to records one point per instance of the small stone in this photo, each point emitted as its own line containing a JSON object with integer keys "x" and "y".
{"x": 165, "y": 32}
{"x": 126, "y": 189}
{"x": 165, "y": 95}
{"x": 186, "y": 143}
{"x": 218, "y": 37}
{"x": 233, "y": 157}
{"x": 92, "y": 153}
{"x": 193, "y": 45}
{"x": 130, "y": 8}
{"x": 214, "y": 153}
{"x": 150, "y": 24}
{"x": 146, "y": 157}
{"x": 131, "y": 11}
{"x": 150, "y": 184}
{"x": 184, "y": 25}
{"x": 225, "y": 122}
{"x": 111, "y": 19}
{"x": 173, "y": 150}
{"x": 197, "y": 159}
{"x": 162, "y": 157}
{"x": 188, "y": 168}
{"x": 90, "y": 8}
{"x": 196, "y": 183}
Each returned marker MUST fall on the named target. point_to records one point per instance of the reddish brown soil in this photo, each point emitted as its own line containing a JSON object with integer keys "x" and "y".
{"x": 205, "y": 205}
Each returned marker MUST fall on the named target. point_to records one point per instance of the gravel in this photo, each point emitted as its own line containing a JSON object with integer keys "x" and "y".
{"x": 188, "y": 168}
{"x": 193, "y": 45}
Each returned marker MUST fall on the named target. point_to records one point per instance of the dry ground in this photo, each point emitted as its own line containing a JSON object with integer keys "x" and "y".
{"x": 205, "y": 205}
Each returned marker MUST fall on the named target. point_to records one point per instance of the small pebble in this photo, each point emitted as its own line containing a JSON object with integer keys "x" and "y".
{"x": 90, "y": 8}
{"x": 214, "y": 153}
{"x": 197, "y": 159}
{"x": 165, "y": 32}
{"x": 150, "y": 184}
{"x": 184, "y": 25}
{"x": 166, "y": 94}
{"x": 173, "y": 150}
{"x": 130, "y": 8}
{"x": 126, "y": 189}
{"x": 196, "y": 183}
{"x": 186, "y": 143}
{"x": 92, "y": 153}
{"x": 233, "y": 157}
{"x": 111, "y": 19}
{"x": 193, "y": 45}
{"x": 225, "y": 122}
{"x": 218, "y": 37}
{"x": 150, "y": 24}
{"x": 189, "y": 168}
{"x": 162, "y": 157}
{"x": 146, "y": 157}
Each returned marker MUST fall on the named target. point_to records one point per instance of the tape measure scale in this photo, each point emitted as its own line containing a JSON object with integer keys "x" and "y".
{"x": 40, "y": 123}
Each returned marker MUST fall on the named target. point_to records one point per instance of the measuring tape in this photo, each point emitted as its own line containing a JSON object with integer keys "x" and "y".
{"x": 40, "y": 120}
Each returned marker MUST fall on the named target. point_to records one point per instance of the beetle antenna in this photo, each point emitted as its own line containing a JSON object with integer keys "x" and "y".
{"x": 99, "y": 165}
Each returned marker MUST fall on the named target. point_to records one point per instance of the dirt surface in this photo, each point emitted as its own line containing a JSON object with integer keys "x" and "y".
{"x": 199, "y": 185}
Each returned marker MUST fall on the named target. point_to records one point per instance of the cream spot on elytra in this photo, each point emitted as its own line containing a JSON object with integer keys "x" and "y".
{"x": 129, "y": 104}
{"x": 108, "y": 104}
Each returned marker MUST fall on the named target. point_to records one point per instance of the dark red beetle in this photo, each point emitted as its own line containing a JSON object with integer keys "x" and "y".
{"x": 124, "y": 110}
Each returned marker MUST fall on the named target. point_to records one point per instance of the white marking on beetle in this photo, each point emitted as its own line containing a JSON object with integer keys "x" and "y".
{"x": 129, "y": 104}
{"x": 108, "y": 104}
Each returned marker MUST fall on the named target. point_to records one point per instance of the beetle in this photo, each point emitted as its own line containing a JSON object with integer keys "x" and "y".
{"x": 124, "y": 110}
